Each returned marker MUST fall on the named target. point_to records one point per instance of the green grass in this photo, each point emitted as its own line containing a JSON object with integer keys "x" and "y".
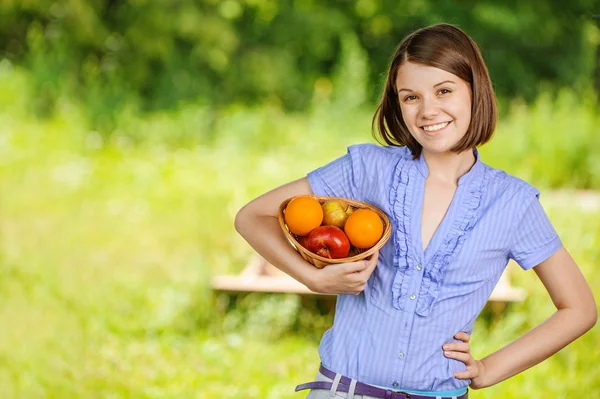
{"x": 107, "y": 246}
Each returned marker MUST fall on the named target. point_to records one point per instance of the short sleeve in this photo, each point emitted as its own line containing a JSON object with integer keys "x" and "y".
{"x": 343, "y": 177}
{"x": 535, "y": 239}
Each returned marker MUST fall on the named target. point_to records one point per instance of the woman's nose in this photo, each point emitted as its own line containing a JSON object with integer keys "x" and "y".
{"x": 429, "y": 108}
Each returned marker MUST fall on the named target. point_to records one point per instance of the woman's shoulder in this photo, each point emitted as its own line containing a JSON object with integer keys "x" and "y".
{"x": 507, "y": 187}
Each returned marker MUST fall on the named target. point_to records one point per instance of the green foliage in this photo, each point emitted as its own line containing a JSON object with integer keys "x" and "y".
{"x": 553, "y": 143}
{"x": 149, "y": 55}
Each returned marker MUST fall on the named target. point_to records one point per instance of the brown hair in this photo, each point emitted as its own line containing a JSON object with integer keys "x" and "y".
{"x": 446, "y": 47}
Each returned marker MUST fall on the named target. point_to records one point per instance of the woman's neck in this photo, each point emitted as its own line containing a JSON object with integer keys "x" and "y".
{"x": 449, "y": 167}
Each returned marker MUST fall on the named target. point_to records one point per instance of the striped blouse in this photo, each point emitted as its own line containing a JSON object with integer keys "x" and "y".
{"x": 391, "y": 335}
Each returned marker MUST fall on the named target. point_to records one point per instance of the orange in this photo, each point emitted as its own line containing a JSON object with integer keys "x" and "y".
{"x": 364, "y": 228}
{"x": 302, "y": 215}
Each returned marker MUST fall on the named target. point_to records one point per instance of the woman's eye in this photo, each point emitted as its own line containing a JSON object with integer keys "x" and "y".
{"x": 444, "y": 91}
{"x": 410, "y": 98}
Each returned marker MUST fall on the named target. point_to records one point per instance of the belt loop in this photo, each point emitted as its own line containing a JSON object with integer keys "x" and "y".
{"x": 351, "y": 389}
{"x": 334, "y": 385}
{"x": 438, "y": 397}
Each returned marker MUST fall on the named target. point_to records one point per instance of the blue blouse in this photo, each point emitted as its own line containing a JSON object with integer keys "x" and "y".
{"x": 391, "y": 335}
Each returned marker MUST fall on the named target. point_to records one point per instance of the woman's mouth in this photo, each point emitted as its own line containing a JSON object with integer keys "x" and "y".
{"x": 434, "y": 129}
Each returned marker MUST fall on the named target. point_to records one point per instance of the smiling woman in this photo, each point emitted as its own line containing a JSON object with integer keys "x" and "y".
{"x": 404, "y": 317}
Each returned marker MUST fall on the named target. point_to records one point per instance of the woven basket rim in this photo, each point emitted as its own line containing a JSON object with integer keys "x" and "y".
{"x": 357, "y": 204}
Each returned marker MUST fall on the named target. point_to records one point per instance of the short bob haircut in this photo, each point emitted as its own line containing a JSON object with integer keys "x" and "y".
{"x": 446, "y": 47}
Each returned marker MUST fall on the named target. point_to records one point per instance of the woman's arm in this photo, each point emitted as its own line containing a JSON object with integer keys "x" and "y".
{"x": 257, "y": 222}
{"x": 576, "y": 313}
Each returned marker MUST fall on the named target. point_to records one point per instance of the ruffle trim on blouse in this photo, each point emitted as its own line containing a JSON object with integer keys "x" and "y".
{"x": 401, "y": 195}
{"x": 453, "y": 242}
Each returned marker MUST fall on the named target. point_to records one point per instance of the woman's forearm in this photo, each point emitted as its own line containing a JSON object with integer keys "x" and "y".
{"x": 543, "y": 341}
{"x": 264, "y": 234}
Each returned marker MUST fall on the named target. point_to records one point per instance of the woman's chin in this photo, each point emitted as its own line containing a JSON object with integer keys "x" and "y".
{"x": 437, "y": 149}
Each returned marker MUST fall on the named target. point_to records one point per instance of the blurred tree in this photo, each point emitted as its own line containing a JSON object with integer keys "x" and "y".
{"x": 155, "y": 54}
{"x": 597, "y": 79}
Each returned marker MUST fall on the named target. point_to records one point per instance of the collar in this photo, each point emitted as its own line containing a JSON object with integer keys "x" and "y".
{"x": 464, "y": 179}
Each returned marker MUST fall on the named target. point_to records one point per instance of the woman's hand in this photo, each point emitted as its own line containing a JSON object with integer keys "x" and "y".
{"x": 344, "y": 278}
{"x": 461, "y": 351}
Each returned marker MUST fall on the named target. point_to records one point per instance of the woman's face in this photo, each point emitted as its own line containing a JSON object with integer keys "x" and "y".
{"x": 435, "y": 105}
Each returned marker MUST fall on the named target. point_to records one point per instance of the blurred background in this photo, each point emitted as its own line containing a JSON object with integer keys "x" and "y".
{"x": 131, "y": 132}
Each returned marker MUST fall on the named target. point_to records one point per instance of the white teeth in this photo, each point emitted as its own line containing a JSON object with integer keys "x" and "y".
{"x": 435, "y": 128}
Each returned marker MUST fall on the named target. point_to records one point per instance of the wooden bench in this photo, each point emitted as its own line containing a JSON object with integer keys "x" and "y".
{"x": 261, "y": 276}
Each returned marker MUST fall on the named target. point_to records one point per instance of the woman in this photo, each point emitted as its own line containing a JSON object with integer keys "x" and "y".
{"x": 403, "y": 317}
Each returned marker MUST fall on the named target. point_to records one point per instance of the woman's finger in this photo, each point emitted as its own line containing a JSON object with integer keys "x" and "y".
{"x": 354, "y": 267}
{"x": 371, "y": 264}
{"x": 465, "y": 375}
{"x": 374, "y": 257}
{"x": 457, "y": 346}
{"x": 466, "y": 358}
{"x": 463, "y": 336}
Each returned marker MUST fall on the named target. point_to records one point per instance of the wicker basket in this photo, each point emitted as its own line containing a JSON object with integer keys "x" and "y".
{"x": 355, "y": 254}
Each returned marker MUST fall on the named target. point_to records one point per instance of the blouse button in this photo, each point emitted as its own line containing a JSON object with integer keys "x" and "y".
{"x": 395, "y": 384}
{"x": 419, "y": 267}
{"x": 400, "y": 355}
{"x": 412, "y": 296}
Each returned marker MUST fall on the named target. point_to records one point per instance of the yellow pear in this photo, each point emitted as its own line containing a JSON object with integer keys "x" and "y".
{"x": 336, "y": 212}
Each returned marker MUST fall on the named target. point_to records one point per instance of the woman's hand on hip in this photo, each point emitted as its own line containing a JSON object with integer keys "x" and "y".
{"x": 461, "y": 351}
{"x": 345, "y": 278}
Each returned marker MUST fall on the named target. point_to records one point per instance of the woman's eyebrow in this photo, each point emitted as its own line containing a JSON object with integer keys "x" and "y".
{"x": 445, "y": 81}
{"x": 435, "y": 85}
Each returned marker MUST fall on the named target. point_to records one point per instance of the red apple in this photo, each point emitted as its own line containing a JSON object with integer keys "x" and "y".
{"x": 303, "y": 240}
{"x": 329, "y": 242}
